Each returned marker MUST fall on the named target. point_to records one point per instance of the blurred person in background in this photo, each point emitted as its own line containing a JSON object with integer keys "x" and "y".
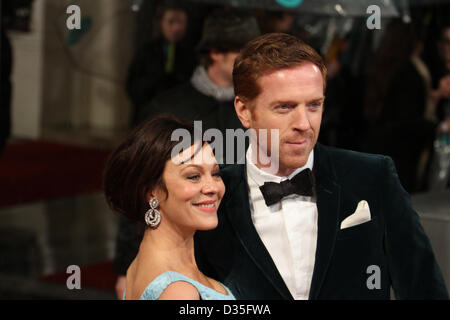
{"x": 5, "y": 105}
{"x": 441, "y": 79}
{"x": 438, "y": 169}
{"x": 399, "y": 104}
{"x": 207, "y": 97}
{"x": 175, "y": 199}
{"x": 209, "y": 94}
{"x": 163, "y": 62}
{"x": 276, "y": 21}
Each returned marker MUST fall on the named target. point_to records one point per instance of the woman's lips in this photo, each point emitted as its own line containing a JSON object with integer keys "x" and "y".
{"x": 206, "y": 206}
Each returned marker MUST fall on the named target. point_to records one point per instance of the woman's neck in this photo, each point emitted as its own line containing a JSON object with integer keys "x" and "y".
{"x": 172, "y": 247}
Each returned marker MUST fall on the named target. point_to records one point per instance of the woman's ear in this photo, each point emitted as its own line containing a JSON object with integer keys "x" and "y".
{"x": 158, "y": 193}
{"x": 243, "y": 112}
{"x": 149, "y": 196}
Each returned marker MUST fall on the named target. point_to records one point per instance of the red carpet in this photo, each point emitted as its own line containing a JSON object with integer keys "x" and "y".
{"x": 36, "y": 170}
{"x": 99, "y": 276}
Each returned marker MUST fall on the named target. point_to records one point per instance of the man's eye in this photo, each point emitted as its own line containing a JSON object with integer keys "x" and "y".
{"x": 315, "y": 104}
{"x": 285, "y": 107}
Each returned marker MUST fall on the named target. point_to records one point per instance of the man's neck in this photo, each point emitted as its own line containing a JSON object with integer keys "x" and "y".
{"x": 216, "y": 77}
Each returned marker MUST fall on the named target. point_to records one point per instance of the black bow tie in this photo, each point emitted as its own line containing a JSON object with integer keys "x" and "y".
{"x": 302, "y": 184}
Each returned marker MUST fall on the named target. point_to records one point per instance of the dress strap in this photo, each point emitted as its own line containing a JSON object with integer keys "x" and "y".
{"x": 161, "y": 282}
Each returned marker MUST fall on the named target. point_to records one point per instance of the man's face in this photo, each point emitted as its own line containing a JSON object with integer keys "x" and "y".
{"x": 224, "y": 62}
{"x": 173, "y": 25}
{"x": 291, "y": 100}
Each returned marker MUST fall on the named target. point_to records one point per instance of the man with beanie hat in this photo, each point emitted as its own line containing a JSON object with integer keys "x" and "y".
{"x": 209, "y": 94}
{"x": 207, "y": 97}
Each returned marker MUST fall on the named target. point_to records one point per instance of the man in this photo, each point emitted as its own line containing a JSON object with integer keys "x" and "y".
{"x": 349, "y": 233}
{"x": 209, "y": 94}
{"x": 207, "y": 97}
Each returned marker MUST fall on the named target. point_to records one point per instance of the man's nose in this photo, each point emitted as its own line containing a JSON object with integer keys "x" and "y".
{"x": 300, "y": 119}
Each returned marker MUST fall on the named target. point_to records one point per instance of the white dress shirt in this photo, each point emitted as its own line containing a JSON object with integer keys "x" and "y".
{"x": 288, "y": 228}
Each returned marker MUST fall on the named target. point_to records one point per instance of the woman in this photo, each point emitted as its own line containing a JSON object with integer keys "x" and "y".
{"x": 174, "y": 196}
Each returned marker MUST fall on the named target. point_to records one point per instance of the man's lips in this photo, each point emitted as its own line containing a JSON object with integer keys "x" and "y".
{"x": 297, "y": 143}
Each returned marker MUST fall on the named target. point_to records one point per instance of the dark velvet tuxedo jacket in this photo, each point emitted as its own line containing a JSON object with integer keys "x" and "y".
{"x": 393, "y": 240}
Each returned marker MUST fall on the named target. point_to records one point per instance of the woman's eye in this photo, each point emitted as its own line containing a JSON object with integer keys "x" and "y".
{"x": 216, "y": 174}
{"x": 194, "y": 177}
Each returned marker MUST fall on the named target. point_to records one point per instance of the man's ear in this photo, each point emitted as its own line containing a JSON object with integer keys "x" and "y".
{"x": 214, "y": 54}
{"x": 243, "y": 112}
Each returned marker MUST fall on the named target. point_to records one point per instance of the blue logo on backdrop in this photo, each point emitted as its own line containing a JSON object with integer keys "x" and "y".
{"x": 289, "y": 3}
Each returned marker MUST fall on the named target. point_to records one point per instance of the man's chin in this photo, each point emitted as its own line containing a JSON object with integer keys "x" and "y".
{"x": 290, "y": 165}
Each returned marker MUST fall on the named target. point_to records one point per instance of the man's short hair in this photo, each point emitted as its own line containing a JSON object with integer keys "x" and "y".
{"x": 266, "y": 54}
{"x": 226, "y": 31}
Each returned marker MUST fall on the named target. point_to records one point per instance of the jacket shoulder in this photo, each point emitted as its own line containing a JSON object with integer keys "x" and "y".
{"x": 184, "y": 93}
{"x": 232, "y": 174}
{"x": 349, "y": 163}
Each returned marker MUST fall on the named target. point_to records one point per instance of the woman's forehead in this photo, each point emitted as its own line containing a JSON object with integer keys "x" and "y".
{"x": 198, "y": 153}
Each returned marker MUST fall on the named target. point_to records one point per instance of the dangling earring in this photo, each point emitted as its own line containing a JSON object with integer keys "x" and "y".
{"x": 152, "y": 216}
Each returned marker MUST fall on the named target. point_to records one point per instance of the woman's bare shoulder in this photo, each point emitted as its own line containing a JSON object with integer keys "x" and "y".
{"x": 180, "y": 290}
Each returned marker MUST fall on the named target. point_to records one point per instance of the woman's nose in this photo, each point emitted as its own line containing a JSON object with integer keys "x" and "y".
{"x": 211, "y": 186}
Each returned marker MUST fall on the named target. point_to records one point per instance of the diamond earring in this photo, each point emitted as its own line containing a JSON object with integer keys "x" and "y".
{"x": 152, "y": 216}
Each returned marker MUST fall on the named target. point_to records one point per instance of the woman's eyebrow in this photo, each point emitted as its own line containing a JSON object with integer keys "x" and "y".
{"x": 193, "y": 165}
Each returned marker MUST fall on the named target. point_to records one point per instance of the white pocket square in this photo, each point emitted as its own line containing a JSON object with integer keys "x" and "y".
{"x": 361, "y": 215}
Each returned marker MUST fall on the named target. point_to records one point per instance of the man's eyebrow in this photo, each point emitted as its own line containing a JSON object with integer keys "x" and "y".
{"x": 321, "y": 99}
{"x": 292, "y": 102}
{"x": 281, "y": 102}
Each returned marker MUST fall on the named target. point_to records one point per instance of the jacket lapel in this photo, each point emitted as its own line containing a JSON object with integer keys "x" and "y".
{"x": 238, "y": 209}
{"x": 328, "y": 194}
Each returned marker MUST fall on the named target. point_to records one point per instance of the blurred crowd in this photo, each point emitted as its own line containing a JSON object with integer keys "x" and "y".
{"x": 388, "y": 89}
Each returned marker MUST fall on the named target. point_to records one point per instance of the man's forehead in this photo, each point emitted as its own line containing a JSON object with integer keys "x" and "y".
{"x": 305, "y": 69}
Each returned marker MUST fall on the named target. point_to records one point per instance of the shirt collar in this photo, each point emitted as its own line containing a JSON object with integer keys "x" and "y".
{"x": 259, "y": 176}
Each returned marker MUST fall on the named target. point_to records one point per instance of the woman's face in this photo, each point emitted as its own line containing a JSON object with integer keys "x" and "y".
{"x": 195, "y": 190}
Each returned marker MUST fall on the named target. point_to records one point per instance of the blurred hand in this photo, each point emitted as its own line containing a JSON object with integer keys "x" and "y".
{"x": 120, "y": 286}
{"x": 444, "y": 126}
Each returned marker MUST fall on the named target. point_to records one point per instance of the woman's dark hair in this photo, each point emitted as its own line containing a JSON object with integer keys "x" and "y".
{"x": 136, "y": 166}
{"x": 393, "y": 53}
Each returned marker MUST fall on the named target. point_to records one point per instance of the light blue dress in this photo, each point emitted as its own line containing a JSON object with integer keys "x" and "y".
{"x": 161, "y": 282}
